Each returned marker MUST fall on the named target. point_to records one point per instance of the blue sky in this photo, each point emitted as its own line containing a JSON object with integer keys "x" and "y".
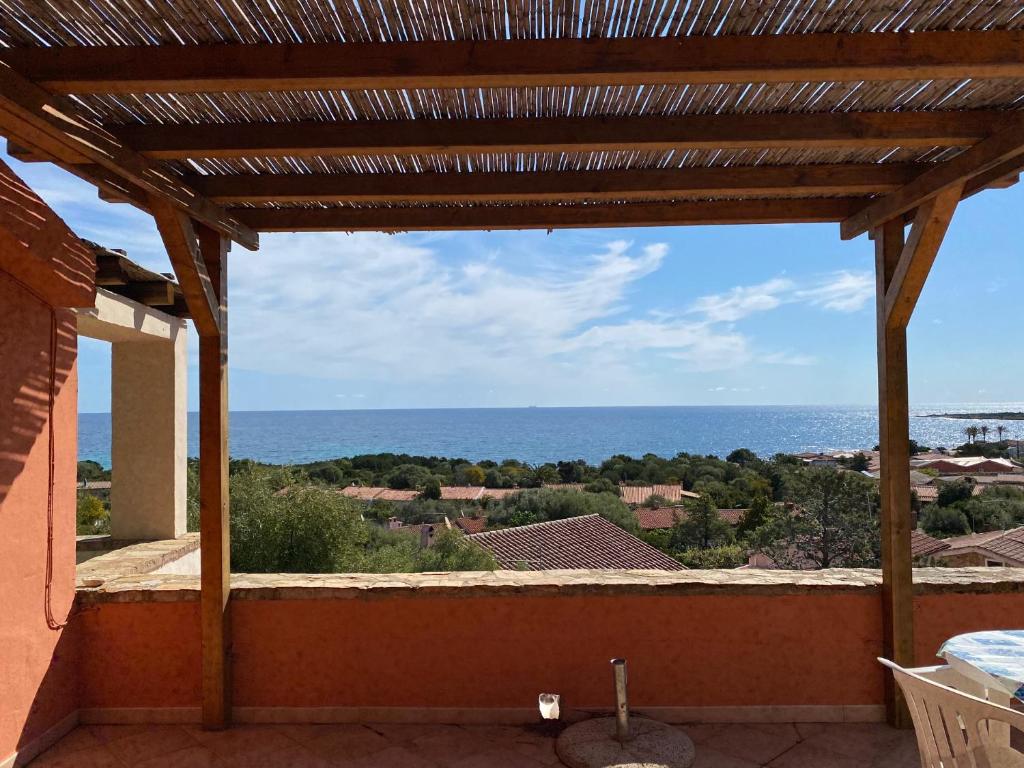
{"x": 662, "y": 316}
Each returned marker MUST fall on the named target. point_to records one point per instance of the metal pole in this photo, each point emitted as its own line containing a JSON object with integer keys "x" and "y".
{"x": 621, "y": 704}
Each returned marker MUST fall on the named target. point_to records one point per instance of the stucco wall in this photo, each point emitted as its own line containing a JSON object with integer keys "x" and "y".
{"x": 371, "y": 645}
{"x": 42, "y": 265}
{"x": 36, "y": 662}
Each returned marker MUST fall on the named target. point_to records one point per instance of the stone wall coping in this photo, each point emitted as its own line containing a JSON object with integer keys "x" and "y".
{"x": 133, "y": 559}
{"x": 143, "y": 587}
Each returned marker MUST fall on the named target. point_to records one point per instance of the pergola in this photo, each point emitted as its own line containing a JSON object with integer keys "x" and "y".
{"x": 226, "y": 119}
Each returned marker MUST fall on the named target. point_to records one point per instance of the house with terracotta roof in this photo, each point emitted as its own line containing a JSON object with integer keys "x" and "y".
{"x": 992, "y": 548}
{"x": 585, "y": 542}
{"x": 966, "y": 465}
{"x": 635, "y": 495}
{"x": 660, "y": 518}
{"x": 470, "y": 525}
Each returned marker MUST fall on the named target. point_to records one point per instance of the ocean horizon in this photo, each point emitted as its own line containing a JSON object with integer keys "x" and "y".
{"x": 538, "y": 434}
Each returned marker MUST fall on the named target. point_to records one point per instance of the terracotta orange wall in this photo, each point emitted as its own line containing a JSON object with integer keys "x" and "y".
{"x": 503, "y": 651}
{"x": 42, "y": 265}
{"x": 38, "y": 681}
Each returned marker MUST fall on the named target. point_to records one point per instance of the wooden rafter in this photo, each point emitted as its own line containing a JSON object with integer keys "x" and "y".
{"x": 517, "y": 63}
{"x": 572, "y": 134}
{"x": 32, "y": 117}
{"x": 182, "y": 244}
{"x": 1002, "y": 153}
{"x": 784, "y": 181}
{"x": 799, "y": 210}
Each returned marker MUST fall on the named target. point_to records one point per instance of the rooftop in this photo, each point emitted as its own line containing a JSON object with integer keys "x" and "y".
{"x": 588, "y": 541}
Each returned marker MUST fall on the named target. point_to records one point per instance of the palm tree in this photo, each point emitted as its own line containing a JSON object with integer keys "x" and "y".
{"x": 1000, "y": 431}
{"x": 984, "y": 433}
{"x": 971, "y": 432}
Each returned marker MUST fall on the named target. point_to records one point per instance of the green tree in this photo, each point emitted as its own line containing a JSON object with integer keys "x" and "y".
{"x": 753, "y": 518}
{"x": 91, "y": 516}
{"x": 831, "y": 524}
{"x": 452, "y": 551}
{"x": 308, "y": 530}
{"x": 542, "y": 504}
{"x": 742, "y": 456}
{"x": 702, "y": 528}
{"x": 408, "y": 477}
{"x": 469, "y": 474}
{"x": 728, "y": 556}
{"x": 92, "y": 470}
{"x": 955, "y": 491}
{"x": 944, "y": 521}
{"x": 432, "y": 489}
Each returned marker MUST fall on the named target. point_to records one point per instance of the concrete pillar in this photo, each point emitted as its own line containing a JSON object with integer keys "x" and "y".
{"x": 149, "y": 415}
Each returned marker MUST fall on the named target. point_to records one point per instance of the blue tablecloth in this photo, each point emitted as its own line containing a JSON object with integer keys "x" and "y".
{"x": 999, "y": 654}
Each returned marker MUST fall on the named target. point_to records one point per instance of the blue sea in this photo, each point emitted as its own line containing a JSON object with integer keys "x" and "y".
{"x": 537, "y": 435}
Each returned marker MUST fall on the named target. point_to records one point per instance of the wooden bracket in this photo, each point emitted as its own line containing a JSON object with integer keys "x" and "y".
{"x": 179, "y": 235}
{"x": 918, "y": 255}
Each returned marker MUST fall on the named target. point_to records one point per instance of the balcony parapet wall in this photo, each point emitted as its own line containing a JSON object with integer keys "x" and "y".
{"x": 575, "y": 583}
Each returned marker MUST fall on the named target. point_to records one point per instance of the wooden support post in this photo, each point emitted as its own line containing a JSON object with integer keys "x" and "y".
{"x": 213, "y": 493}
{"x": 894, "y": 441}
{"x": 901, "y": 269}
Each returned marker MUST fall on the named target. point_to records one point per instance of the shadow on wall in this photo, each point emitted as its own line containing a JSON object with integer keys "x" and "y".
{"x": 43, "y": 265}
{"x": 25, "y": 383}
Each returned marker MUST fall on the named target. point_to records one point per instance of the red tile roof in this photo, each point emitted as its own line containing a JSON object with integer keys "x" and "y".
{"x": 366, "y": 493}
{"x": 499, "y": 493}
{"x": 1005, "y": 544}
{"x": 638, "y": 494}
{"x": 923, "y": 545}
{"x": 659, "y": 517}
{"x": 665, "y": 517}
{"x": 391, "y": 494}
{"x": 588, "y": 541}
{"x": 460, "y": 492}
{"x": 471, "y": 525}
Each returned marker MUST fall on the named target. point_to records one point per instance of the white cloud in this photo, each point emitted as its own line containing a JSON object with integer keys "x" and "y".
{"x": 842, "y": 291}
{"x": 743, "y": 301}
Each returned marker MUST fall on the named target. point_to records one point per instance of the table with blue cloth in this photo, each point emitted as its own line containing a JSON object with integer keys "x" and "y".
{"x": 994, "y": 660}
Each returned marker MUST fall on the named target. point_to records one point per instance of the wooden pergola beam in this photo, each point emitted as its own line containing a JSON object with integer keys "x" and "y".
{"x": 784, "y": 181}
{"x": 847, "y": 130}
{"x": 431, "y": 218}
{"x": 518, "y": 63}
{"x": 34, "y": 118}
{"x": 1001, "y": 153}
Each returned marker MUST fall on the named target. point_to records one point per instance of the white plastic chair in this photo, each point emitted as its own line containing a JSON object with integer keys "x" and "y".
{"x": 955, "y": 729}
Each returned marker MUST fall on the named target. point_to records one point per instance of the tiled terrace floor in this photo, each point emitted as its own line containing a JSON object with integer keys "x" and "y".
{"x": 444, "y": 746}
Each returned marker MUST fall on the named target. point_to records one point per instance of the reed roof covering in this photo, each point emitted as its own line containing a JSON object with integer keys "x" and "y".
{"x": 419, "y": 149}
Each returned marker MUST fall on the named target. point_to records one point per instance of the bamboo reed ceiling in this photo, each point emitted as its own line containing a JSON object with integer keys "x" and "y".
{"x": 206, "y": 135}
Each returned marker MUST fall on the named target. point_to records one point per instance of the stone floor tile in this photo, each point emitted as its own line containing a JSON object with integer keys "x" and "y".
{"x": 155, "y": 740}
{"x": 759, "y": 744}
{"x": 108, "y": 733}
{"x": 392, "y": 757}
{"x": 499, "y": 757}
{"x": 710, "y": 758}
{"x": 242, "y": 740}
{"x": 347, "y": 742}
{"x": 701, "y": 732}
{"x": 809, "y": 755}
{"x": 191, "y": 757}
{"x": 407, "y": 732}
{"x": 448, "y": 746}
{"x": 90, "y": 757}
{"x": 867, "y": 743}
{"x": 294, "y": 756}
